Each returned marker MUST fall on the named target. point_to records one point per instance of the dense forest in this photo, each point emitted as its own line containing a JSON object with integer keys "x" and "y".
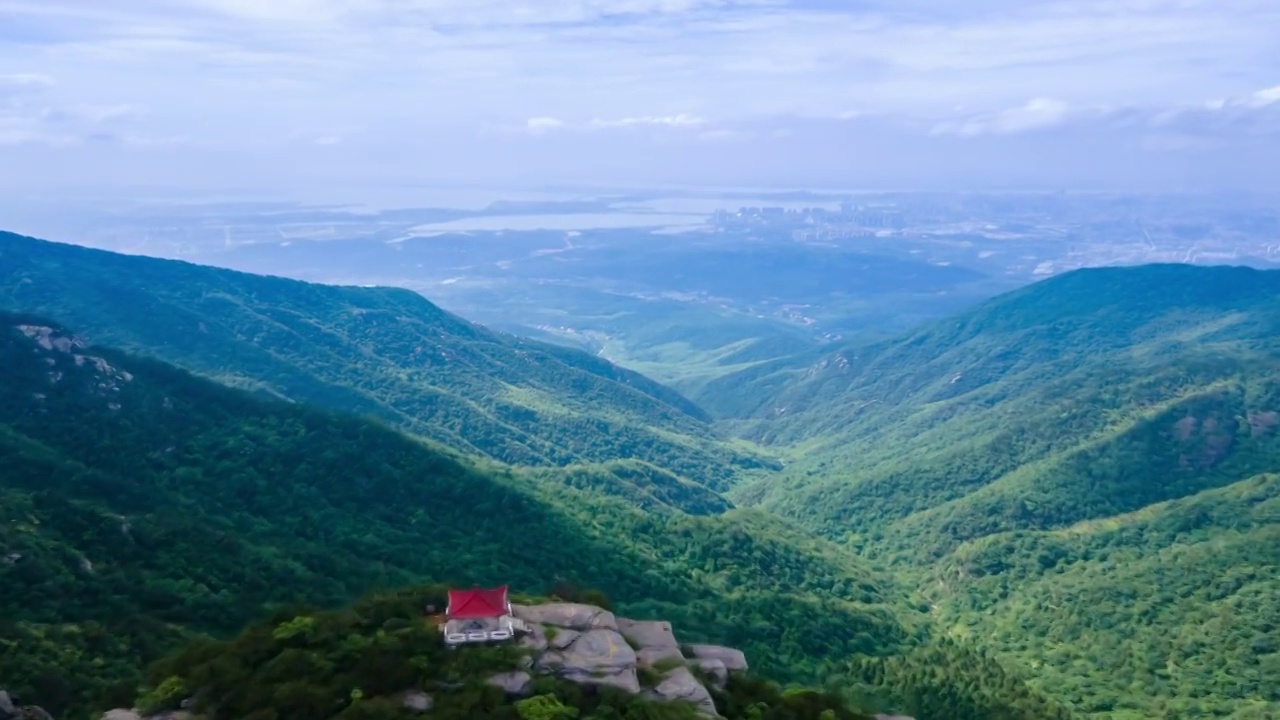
{"x": 1002, "y": 458}
{"x": 1062, "y": 503}
{"x": 147, "y": 506}
{"x": 1178, "y": 603}
{"x": 380, "y": 352}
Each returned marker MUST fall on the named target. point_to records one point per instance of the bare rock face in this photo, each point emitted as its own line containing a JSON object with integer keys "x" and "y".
{"x": 561, "y": 639}
{"x": 133, "y": 714}
{"x": 654, "y": 640}
{"x": 573, "y": 616}
{"x": 681, "y": 685}
{"x": 534, "y": 638}
{"x": 596, "y": 657}
{"x": 734, "y": 660}
{"x": 10, "y": 710}
{"x": 714, "y": 668}
{"x": 417, "y": 701}
{"x": 518, "y": 683}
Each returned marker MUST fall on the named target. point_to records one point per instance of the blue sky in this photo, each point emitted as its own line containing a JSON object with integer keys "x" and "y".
{"x": 285, "y": 94}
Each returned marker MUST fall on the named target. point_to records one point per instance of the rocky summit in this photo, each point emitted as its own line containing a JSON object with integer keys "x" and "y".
{"x": 589, "y": 645}
{"x": 566, "y": 641}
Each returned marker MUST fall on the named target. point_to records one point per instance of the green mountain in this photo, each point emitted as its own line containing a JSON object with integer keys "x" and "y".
{"x": 1003, "y": 458}
{"x": 1061, "y": 496}
{"x": 381, "y": 352}
{"x": 1170, "y": 611}
{"x": 141, "y": 503}
{"x": 143, "y": 506}
{"x": 1085, "y": 396}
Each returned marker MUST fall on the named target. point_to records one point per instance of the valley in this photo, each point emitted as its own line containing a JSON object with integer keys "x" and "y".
{"x": 1000, "y": 498}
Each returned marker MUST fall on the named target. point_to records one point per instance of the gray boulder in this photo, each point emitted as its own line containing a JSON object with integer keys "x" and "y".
{"x": 121, "y": 714}
{"x": 560, "y": 638}
{"x": 534, "y": 638}
{"x": 417, "y": 701}
{"x": 715, "y": 669}
{"x": 734, "y": 660}
{"x": 596, "y": 657}
{"x": 517, "y": 683}
{"x": 654, "y": 640}
{"x": 681, "y": 685}
{"x": 574, "y": 616}
{"x": 7, "y": 708}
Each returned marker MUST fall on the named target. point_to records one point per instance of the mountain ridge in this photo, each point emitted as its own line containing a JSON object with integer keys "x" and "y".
{"x": 1009, "y": 460}
{"x": 146, "y": 505}
{"x": 379, "y": 351}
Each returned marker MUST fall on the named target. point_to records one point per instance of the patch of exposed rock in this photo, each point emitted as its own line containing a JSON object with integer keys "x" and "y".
{"x": 135, "y": 714}
{"x": 733, "y": 660}
{"x": 595, "y": 657}
{"x": 589, "y": 645}
{"x": 574, "y": 616}
{"x": 417, "y": 701}
{"x": 681, "y": 685}
{"x": 653, "y": 640}
{"x": 517, "y": 683}
{"x": 63, "y": 346}
{"x": 714, "y": 669}
{"x": 11, "y": 709}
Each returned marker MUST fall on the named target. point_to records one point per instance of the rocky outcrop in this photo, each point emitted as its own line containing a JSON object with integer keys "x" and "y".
{"x": 596, "y": 657}
{"x": 653, "y": 640}
{"x": 580, "y": 643}
{"x": 681, "y": 685}
{"x": 518, "y": 683}
{"x": 10, "y": 709}
{"x": 590, "y": 645}
{"x": 733, "y": 660}
{"x": 417, "y": 701}
{"x": 715, "y": 670}
{"x": 573, "y": 616}
{"x": 134, "y": 714}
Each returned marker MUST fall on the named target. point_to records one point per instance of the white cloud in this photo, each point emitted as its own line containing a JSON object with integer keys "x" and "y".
{"x": 1036, "y": 114}
{"x": 1263, "y": 98}
{"x": 539, "y": 125}
{"x": 681, "y": 120}
{"x": 23, "y": 83}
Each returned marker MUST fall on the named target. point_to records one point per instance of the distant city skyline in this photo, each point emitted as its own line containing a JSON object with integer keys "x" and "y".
{"x": 295, "y": 97}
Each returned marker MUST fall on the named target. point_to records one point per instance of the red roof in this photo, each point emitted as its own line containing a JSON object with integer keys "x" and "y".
{"x": 478, "y": 603}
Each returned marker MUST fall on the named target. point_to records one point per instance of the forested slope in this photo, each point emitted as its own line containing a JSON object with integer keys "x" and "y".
{"x": 141, "y": 504}
{"x": 1088, "y": 395}
{"x": 1074, "y": 474}
{"x": 1173, "y": 611}
{"x": 375, "y": 351}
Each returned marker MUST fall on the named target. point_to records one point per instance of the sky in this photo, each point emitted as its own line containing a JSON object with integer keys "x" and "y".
{"x": 321, "y": 95}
